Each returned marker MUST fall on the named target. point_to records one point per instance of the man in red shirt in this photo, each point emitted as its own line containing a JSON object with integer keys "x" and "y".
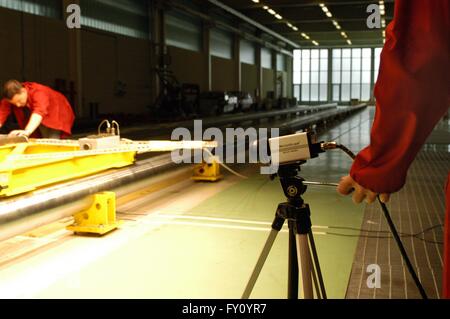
{"x": 412, "y": 93}
{"x": 49, "y": 110}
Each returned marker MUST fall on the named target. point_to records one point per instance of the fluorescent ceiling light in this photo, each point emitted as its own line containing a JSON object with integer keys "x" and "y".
{"x": 349, "y": 42}
{"x": 255, "y": 1}
{"x": 315, "y": 43}
{"x": 329, "y": 15}
{"x": 294, "y": 28}
{"x": 265, "y": 7}
{"x": 271, "y": 11}
{"x": 279, "y": 17}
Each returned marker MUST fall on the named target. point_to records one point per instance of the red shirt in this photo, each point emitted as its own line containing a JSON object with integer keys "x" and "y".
{"x": 412, "y": 92}
{"x": 54, "y": 108}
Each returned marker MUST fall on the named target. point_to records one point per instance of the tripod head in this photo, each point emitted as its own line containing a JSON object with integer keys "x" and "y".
{"x": 291, "y": 183}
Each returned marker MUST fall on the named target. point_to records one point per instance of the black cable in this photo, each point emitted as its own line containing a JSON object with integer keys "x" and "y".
{"x": 394, "y": 233}
{"x": 415, "y": 235}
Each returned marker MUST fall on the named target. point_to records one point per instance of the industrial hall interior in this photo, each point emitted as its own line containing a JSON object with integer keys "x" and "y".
{"x": 224, "y": 149}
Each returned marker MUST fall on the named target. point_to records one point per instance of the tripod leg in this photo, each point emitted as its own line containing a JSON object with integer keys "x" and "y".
{"x": 317, "y": 264}
{"x": 304, "y": 265}
{"x": 292, "y": 264}
{"x": 260, "y": 263}
{"x": 316, "y": 284}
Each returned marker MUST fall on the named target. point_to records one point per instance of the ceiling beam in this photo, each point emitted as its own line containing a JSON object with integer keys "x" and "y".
{"x": 312, "y": 4}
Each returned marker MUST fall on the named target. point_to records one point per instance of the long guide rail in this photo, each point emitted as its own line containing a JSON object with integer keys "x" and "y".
{"x": 127, "y": 146}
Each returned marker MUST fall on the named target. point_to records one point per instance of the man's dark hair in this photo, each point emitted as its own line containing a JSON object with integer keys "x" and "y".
{"x": 11, "y": 88}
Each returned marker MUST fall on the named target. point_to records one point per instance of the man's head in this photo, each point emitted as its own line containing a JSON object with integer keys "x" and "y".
{"x": 15, "y": 93}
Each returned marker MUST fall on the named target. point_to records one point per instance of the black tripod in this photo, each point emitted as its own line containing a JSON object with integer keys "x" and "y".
{"x": 300, "y": 239}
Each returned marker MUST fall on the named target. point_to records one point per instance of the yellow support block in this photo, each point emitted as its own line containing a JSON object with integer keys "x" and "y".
{"x": 209, "y": 172}
{"x": 100, "y": 218}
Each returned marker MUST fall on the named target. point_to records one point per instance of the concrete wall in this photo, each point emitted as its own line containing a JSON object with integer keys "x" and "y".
{"x": 223, "y": 74}
{"x": 33, "y": 49}
{"x": 249, "y": 78}
{"x": 189, "y": 66}
{"x": 42, "y": 56}
{"x": 267, "y": 82}
{"x": 108, "y": 59}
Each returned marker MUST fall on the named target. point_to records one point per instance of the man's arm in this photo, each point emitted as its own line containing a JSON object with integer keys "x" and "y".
{"x": 412, "y": 94}
{"x": 5, "y": 110}
{"x": 40, "y": 102}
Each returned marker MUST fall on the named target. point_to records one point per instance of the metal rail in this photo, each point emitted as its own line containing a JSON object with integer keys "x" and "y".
{"x": 21, "y": 214}
{"x": 24, "y": 213}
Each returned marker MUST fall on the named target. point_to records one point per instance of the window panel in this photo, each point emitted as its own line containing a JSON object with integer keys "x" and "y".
{"x": 305, "y": 92}
{"x": 336, "y": 77}
{"x": 336, "y": 91}
{"x": 305, "y": 64}
{"x": 314, "y": 77}
{"x": 346, "y": 53}
{"x": 345, "y": 94}
{"x": 314, "y": 65}
{"x": 346, "y": 64}
{"x": 366, "y": 64}
{"x": 365, "y": 92}
{"x": 367, "y": 53}
{"x": 356, "y": 53}
{"x": 356, "y": 77}
{"x": 365, "y": 77}
{"x": 346, "y": 77}
{"x": 356, "y": 64}
{"x": 248, "y": 53}
{"x": 305, "y": 77}
{"x": 314, "y": 92}
{"x": 323, "y": 77}
{"x": 183, "y": 31}
{"x": 337, "y": 53}
{"x": 314, "y": 54}
{"x": 324, "y": 54}
{"x": 323, "y": 64}
{"x": 297, "y": 92}
{"x": 356, "y": 91}
{"x": 323, "y": 92}
{"x": 221, "y": 44}
{"x": 297, "y": 77}
{"x": 297, "y": 60}
{"x": 336, "y": 64}
{"x": 266, "y": 58}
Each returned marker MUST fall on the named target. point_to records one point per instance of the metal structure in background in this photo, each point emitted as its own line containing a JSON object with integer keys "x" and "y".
{"x": 21, "y": 214}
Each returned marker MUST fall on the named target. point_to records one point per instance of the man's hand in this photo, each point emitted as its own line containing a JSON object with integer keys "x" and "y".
{"x": 347, "y": 185}
{"x": 18, "y": 133}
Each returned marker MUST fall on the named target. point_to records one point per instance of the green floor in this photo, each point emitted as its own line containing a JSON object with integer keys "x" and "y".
{"x": 257, "y": 199}
{"x": 207, "y": 250}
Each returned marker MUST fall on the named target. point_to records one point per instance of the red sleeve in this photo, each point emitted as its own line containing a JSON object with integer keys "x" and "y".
{"x": 40, "y": 102}
{"x": 412, "y": 93}
{"x": 5, "y": 110}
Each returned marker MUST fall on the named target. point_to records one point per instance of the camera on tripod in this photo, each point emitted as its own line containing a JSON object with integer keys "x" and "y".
{"x": 294, "y": 148}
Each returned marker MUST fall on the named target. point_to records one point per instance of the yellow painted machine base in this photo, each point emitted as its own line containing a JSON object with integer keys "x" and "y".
{"x": 100, "y": 218}
{"x": 209, "y": 172}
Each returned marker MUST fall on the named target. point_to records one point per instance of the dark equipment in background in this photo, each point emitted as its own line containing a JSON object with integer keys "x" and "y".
{"x": 245, "y": 101}
{"x": 168, "y": 103}
{"x": 217, "y": 103}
